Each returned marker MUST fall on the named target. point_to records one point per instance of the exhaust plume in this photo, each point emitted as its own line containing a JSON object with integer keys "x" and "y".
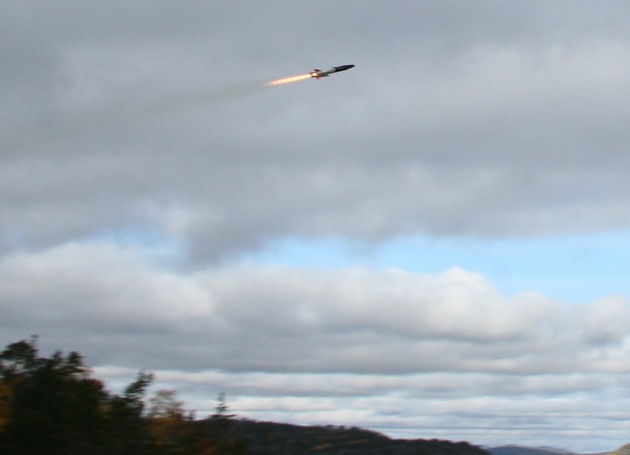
{"x": 289, "y": 80}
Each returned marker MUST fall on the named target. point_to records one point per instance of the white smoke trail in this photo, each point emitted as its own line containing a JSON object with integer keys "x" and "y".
{"x": 68, "y": 125}
{"x": 61, "y": 126}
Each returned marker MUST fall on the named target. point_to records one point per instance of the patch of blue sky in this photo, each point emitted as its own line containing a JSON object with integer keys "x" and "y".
{"x": 573, "y": 268}
{"x": 162, "y": 249}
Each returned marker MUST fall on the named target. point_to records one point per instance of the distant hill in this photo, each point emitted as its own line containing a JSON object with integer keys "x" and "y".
{"x": 269, "y": 438}
{"x": 521, "y": 450}
{"x": 623, "y": 450}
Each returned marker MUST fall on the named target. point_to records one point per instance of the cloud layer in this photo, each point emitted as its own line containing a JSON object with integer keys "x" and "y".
{"x": 253, "y": 318}
{"x": 142, "y": 157}
{"x": 467, "y": 128}
{"x": 401, "y": 352}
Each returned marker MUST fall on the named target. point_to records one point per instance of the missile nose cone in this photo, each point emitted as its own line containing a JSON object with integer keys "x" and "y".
{"x": 344, "y": 67}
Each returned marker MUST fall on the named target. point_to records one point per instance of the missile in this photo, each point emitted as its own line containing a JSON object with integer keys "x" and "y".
{"x": 317, "y": 73}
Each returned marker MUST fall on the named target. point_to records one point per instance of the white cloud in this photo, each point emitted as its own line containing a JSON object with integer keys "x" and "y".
{"x": 411, "y": 354}
{"x": 284, "y": 319}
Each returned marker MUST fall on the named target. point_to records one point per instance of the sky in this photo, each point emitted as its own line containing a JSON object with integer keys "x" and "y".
{"x": 434, "y": 244}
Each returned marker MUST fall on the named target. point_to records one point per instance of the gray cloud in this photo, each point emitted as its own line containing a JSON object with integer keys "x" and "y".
{"x": 138, "y": 138}
{"x": 455, "y": 122}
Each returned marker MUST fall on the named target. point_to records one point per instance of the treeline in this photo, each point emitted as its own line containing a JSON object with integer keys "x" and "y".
{"x": 270, "y": 438}
{"x": 54, "y": 406}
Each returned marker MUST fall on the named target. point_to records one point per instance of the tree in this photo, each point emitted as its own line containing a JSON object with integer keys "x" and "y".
{"x": 167, "y": 419}
{"x": 164, "y": 404}
{"x": 124, "y": 424}
{"x": 51, "y": 404}
{"x": 222, "y": 408}
{"x": 5, "y": 405}
{"x": 19, "y": 359}
{"x": 223, "y": 430}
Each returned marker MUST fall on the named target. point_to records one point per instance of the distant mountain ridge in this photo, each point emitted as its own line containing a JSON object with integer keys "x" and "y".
{"x": 524, "y": 450}
{"x": 521, "y": 450}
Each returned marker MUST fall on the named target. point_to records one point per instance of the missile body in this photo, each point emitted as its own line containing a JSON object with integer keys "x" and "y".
{"x": 317, "y": 73}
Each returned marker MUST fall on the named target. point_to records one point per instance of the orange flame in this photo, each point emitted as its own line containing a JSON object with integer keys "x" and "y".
{"x": 288, "y": 80}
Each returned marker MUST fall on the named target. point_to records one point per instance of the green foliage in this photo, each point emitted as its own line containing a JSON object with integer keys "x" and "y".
{"x": 18, "y": 359}
{"x": 52, "y": 405}
{"x": 123, "y": 419}
{"x": 5, "y": 405}
{"x": 52, "y": 402}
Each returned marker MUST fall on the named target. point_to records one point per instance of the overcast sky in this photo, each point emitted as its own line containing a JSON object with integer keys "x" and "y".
{"x": 434, "y": 244}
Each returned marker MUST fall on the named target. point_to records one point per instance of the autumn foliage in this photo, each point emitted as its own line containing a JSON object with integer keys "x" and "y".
{"x": 54, "y": 406}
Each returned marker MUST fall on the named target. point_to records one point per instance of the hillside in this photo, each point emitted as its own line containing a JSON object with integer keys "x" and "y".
{"x": 268, "y": 438}
{"x": 521, "y": 450}
{"x": 623, "y": 450}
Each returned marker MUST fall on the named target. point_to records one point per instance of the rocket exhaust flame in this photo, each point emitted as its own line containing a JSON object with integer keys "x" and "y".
{"x": 289, "y": 80}
{"x": 315, "y": 74}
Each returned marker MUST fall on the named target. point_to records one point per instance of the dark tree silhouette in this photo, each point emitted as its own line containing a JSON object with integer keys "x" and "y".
{"x": 53, "y": 403}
